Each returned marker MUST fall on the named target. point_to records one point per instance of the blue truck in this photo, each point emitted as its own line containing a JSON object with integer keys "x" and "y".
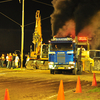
{"x": 63, "y": 56}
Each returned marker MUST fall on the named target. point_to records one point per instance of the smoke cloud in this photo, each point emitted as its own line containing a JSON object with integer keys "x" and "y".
{"x": 77, "y": 17}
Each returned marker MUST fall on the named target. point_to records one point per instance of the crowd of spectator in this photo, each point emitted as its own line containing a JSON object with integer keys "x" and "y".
{"x": 11, "y": 60}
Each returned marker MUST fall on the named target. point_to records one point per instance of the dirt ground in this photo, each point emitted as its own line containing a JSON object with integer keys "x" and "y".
{"x": 41, "y": 85}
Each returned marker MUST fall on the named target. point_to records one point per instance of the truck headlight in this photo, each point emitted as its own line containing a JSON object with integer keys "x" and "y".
{"x": 69, "y": 68}
{"x": 71, "y": 62}
{"x": 72, "y": 66}
{"x": 51, "y": 65}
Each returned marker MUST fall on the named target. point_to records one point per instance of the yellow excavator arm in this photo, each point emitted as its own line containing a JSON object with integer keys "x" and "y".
{"x": 37, "y": 36}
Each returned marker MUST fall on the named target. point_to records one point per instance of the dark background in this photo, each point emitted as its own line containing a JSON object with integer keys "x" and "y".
{"x": 10, "y": 32}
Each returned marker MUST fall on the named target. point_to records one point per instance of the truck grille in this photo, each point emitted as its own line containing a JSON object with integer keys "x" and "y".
{"x": 61, "y": 58}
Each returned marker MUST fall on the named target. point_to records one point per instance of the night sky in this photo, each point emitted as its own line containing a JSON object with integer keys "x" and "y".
{"x": 10, "y": 32}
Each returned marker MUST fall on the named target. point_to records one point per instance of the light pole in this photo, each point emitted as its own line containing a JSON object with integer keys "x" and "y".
{"x": 22, "y": 39}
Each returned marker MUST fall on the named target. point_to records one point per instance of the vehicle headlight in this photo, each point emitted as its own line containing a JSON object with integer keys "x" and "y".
{"x": 69, "y": 68}
{"x": 72, "y": 66}
{"x": 51, "y": 67}
{"x": 71, "y": 62}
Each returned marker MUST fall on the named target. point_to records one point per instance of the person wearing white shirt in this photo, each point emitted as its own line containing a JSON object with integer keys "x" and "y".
{"x": 16, "y": 61}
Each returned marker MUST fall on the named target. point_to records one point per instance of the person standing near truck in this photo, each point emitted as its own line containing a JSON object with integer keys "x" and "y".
{"x": 27, "y": 59}
{"x": 9, "y": 61}
{"x": 13, "y": 60}
{"x": 16, "y": 61}
{"x": 2, "y": 60}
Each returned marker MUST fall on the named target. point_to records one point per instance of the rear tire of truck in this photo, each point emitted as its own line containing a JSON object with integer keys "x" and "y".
{"x": 52, "y": 71}
{"x": 74, "y": 71}
{"x": 79, "y": 72}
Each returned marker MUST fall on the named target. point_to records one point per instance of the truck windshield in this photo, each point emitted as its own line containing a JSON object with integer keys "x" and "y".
{"x": 61, "y": 46}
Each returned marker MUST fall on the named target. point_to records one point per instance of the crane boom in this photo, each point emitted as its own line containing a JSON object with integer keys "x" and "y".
{"x": 37, "y": 35}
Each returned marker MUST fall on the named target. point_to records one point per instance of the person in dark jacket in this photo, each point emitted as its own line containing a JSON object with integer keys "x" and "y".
{"x": 13, "y": 60}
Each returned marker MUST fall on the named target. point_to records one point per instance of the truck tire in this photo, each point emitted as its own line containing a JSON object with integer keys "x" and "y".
{"x": 74, "y": 71}
{"x": 79, "y": 67}
{"x": 51, "y": 71}
{"x": 79, "y": 72}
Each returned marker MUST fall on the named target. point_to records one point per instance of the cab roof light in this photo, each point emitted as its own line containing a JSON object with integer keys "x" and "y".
{"x": 82, "y": 38}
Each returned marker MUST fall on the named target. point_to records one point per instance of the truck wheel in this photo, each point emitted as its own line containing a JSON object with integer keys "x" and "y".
{"x": 51, "y": 71}
{"x": 80, "y": 71}
{"x": 74, "y": 71}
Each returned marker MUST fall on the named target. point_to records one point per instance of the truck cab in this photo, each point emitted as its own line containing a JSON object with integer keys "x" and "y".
{"x": 62, "y": 55}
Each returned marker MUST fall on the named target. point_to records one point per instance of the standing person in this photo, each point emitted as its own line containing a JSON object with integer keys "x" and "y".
{"x": 16, "y": 61}
{"x": 27, "y": 59}
{"x": 19, "y": 63}
{"x": 80, "y": 53}
{"x": 13, "y": 60}
{"x": 24, "y": 60}
{"x": 56, "y": 47}
{"x": 9, "y": 61}
{"x": 2, "y": 60}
